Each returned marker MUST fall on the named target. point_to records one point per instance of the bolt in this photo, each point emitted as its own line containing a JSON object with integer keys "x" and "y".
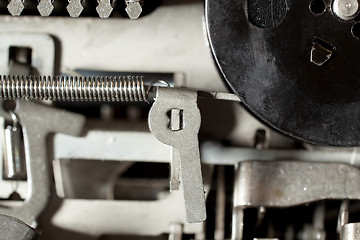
{"x": 133, "y": 8}
{"x": 346, "y": 9}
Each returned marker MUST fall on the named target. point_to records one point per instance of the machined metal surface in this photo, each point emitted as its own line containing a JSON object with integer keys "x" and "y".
{"x": 14, "y": 229}
{"x": 114, "y": 89}
{"x": 289, "y": 183}
{"x": 14, "y": 154}
{"x": 346, "y": 9}
{"x": 350, "y": 231}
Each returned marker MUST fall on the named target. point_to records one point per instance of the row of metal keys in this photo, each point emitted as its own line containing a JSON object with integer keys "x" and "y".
{"x": 76, "y": 7}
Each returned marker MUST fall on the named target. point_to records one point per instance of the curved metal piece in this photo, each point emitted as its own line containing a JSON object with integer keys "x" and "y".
{"x": 351, "y": 231}
{"x": 290, "y": 183}
{"x": 14, "y": 229}
{"x": 38, "y": 121}
{"x": 183, "y": 137}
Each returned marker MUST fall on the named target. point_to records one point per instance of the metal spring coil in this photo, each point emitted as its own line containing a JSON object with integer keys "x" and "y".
{"x": 64, "y": 88}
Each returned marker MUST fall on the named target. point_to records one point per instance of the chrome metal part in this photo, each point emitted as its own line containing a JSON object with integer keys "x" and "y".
{"x": 290, "y": 183}
{"x": 114, "y": 89}
{"x": 14, "y": 229}
{"x": 133, "y": 8}
{"x": 14, "y": 155}
{"x": 38, "y": 122}
{"x": 104, "y": 8}
{"x": 15, "y": 7}
{"x": 346, "y": 9}
{"x": 184, "y": 140}
{"x": 45, "y": 7}
{"x": 351, "y": 231}
{"x": 75, "y": 8}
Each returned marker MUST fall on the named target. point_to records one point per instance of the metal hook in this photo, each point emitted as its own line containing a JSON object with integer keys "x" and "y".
{"x": 153, "y": 83}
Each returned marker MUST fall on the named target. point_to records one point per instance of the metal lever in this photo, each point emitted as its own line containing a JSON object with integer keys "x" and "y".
{"x": 183, "y": 137}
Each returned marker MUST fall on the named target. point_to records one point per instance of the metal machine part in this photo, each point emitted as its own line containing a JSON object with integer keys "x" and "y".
{"x": 36, "y": 154}
{"x": 292, "y": 74}
{"x": 14, "y": 154}
{"x": 75, "y": 8}
{"x": 129, "y": 132}
{"x": 182, "y": 135}
{"x": 13, "y": 229}
{"x": 59, "y": 88}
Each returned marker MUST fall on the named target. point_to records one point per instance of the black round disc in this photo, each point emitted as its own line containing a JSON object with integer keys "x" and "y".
{"x": 292, "y": 63}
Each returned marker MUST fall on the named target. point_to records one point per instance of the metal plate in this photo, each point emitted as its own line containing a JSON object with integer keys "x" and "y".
{"x": 270, "y": 69}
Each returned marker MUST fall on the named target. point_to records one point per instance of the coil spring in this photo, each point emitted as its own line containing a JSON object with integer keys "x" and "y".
{"x": 64, "y": 88}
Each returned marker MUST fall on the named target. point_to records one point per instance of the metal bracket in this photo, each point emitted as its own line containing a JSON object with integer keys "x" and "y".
{"x": 183, "y": 137}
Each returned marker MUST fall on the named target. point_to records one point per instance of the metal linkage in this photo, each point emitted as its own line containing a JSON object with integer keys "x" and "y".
{"x": 76, "y": 7}
{"x": 64, "y": 88}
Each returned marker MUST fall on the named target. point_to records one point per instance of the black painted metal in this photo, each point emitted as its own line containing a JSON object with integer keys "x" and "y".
{"x": 270, "y": 70}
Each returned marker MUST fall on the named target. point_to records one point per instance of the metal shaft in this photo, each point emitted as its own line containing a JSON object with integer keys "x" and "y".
{"x": 61, "y": 88}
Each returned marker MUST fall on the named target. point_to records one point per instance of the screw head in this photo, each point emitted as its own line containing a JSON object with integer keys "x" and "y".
{"x": 346, "y": 9}
{"x": 15, "y": 7}
{"x": 133, "y": 9}
{"x": 45, "y": 7}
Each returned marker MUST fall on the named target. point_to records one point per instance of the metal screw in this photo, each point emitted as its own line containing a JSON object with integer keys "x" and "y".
{"x": 133, "y": 8}
{"x": 346, "y": 9}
